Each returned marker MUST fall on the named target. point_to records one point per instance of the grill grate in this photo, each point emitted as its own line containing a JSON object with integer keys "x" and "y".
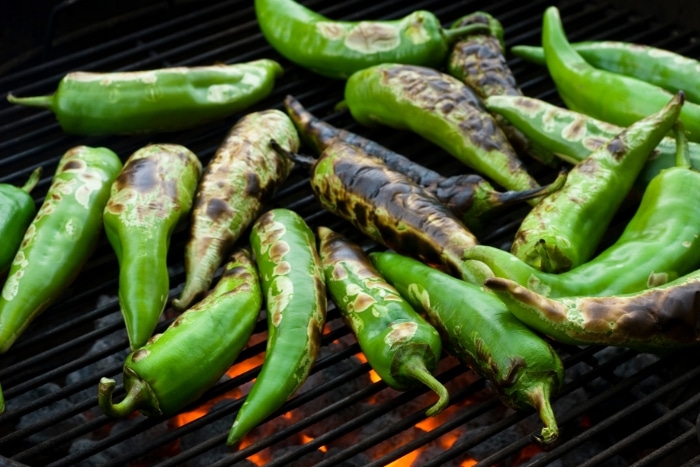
{"x": 618, "y": 407}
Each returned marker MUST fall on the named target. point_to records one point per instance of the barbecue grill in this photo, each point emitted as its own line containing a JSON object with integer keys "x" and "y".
{"x": 618, "y": 407}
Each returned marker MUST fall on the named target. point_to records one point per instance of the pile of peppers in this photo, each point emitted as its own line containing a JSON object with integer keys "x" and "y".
{"x": 500, "y": 312}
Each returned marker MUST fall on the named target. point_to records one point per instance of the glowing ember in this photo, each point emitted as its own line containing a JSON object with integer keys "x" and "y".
{"x": 372, "y": 374}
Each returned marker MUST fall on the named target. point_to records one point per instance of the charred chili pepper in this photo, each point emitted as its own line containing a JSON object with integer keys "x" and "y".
{"x": 339, "y": 48}
{"x": 470, "y": 197}
{"x": 399, "y": 344}
{"x": 572, "y": 136}
{"x": 660, "y": 243}
{"x": 17, "y": 209}
{"x": 151, "y": 196}
{"x": 565, "y": 228}
{"x": 477, "y": 328}
{"x": 295, "y": 295}
{"x": 669, "y": 70}
{"x": 610, "y": 97}
{"x": 441, "y": 109}
{"x": 168, "y": 99}
{"x": 478, "y": 61}
{"x": 242, "y": 175}
{"x": 658, "y": 319}
{"x": 60, "y": 238}
{"x": 387, "y": 207}
{"x": 176, "y": 367}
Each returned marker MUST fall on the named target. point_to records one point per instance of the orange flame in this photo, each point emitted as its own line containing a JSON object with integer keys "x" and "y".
{"x": 372, "y": 374}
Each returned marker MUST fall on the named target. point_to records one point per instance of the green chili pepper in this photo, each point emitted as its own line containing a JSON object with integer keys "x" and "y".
{"x": 176, "y": 367}
{"x": 565, "y": 228}
{"x": 295, "y": 295}
{"x": 441, "y": 109}
{"x": 477, "y": 328}
{"x": 339, "y": 48}
{"x": 17, "y": 209}
{"x": 60, "y": 238}
{"x": 151, "y": 196}
{"x": 398, "y": 343}
{"x": 610, "y": 97}
{"x": 472, "y": 198}
{"x": 660, "y": 243}
{"x": 243, "y": 174}
{"x": 387, "y": 207}
{"x": 478, "y": 61}
{"x": 572, "y": 136}
{"x": 671, "y": 71}
{"x": 168, "y": 99}
{"x": 658, "y": 319}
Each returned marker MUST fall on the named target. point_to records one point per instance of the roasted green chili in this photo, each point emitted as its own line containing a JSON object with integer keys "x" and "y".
{"x": 398, "y": 343}
{"x": 17, "y": 209}
{"x": 168, "y": 99}
{"x": 441, "y": 109}
{"x": 240, "y": 178}
{"x": 339, "y": 48}
{"x": 176, "y": 367}
{"x": 610, "y": 97}
{"x": 295, "y": 296}
{"x": 60, "y": 239}
{"x": 151, "y": 196}
{"x": 477, "y": 328}
{"x": 572, "y": 136}
{"x": 564, "y": 229}
{"x": 669, "y": 70}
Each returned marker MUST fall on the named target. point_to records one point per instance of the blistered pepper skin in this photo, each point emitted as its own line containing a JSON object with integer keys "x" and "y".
{"x": 17, "y": 209}
{"x": 176, "y": 367}
{"x": 243, "y": 174}
{"x": 59, "y": 240}
{"x": 151, "y": 196}
{"x": 441, "y": 109}
{"x": 295, "y": 296}
{"x": 477, "y": 328}
{"x": 401, "y": 346}
{"x": 162, "y": 100}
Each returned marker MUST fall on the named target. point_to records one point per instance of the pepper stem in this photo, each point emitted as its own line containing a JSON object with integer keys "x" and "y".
{"x": 538, "y": 397}
{"x": 304, "y": 161}
{"x": 682, "y": 148}
{"x": 33, "y": 180}
{"x": 414, "y": 367}
{"x": 45, "y": 102}
{"x": 139, "y": 395}
{"x": 452, "y": 34}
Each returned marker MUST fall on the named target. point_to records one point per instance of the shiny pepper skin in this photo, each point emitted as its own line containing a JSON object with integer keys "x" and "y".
{"x": 151, "y": 196}
{"x": 441, "y": 109}
{"x": 337, "y": 49}
{"x": 401, "y": 346}
{"x": 149, "y": 101}
{"x": 477, "y": 328}
{"x": 176, "y": 367}
{"x": 295, "y": 296}
{"x": 243, "y": 174}
{"x": 60, "y": 238}
{"x": 564, "y": 229}
{"x": 17, "y": 209}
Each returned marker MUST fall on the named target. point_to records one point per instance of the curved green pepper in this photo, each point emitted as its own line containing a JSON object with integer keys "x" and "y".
{"x": 398, "y": 343}
{"x": 564, "y": 229}
{"x": 610, "y": 97}
{"x": 168, "y": 99}
{"x": 669, "y": 70}
{"x": 441, "y": 109}
{"x": 242, "y": 175}
{"x": 176, "y": 367}
{"x": 477, "y": 328}
{"x": 572, "y": 136}
{"x": 17, "y": 209}
{"x": 151, "y": 196}
{"x": 339, "y": 48}
{"x": 295, "y": 295}
{"x": 660, "y": 243}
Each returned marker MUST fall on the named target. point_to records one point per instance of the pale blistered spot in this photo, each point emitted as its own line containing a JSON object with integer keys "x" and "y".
{"x": 416, "y": 32}
{"x": 687, "y": 244}
{"x": 363, "y": 301}
{"x": 282, "y": 268}
{"x": 220, "y": 93}
{"x": 352, "y": 290}
{"x": 419, "y": 294}
{"x": 149, "y": 78}
{"x": 252, "y": 79}
{"x": 280, "y": 298}
{"x": 140, "y": 355}
{"x": 11, "y": 286}
{"x": 400, "y": 332}
{"x": 370, "y": 37}
{"x": 329, "y": 30}
{"x": 657, "y": 278}
{"x": 70, "y": 228}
